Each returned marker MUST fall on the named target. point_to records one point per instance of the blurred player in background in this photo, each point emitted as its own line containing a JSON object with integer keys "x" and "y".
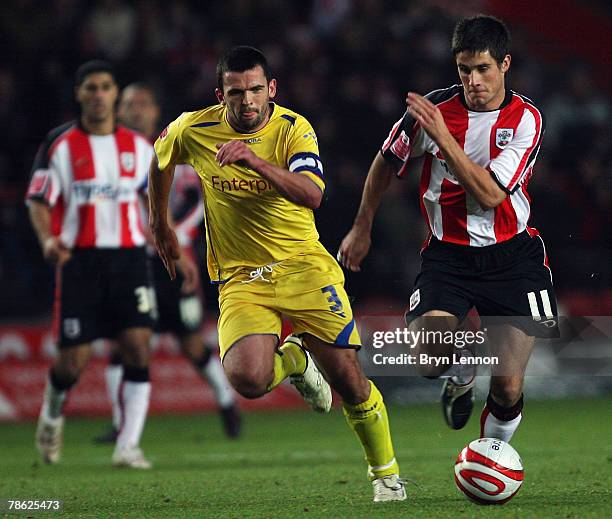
{"x": 262, "y": 177}
{"x": 84, "y": 205}
{"x": 480, "y": 142}
{"x": 179, "y": 305}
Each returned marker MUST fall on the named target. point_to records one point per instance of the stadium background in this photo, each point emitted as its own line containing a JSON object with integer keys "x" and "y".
{"x": 346, "y": 65}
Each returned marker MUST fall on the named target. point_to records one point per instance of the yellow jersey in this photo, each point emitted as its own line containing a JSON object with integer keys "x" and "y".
{"x": 248, "y": 223}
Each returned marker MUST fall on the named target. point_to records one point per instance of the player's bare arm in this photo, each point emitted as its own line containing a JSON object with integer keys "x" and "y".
{"x": 164, "y": 237}
{"x": 356, "y": 243}
{"x": 295, "y": 187}
{"x": 53, "y": 249}
{"x": 475, "y": 179}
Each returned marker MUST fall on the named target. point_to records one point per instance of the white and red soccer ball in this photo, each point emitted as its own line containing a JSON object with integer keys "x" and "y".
{"x": 489, "y": 471}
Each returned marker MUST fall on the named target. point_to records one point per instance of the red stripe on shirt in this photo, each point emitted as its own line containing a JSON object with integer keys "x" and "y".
{"x": 454, "y": 213}
{"x": 83, "y": 168}
{"x": 423, "y": 187}
{"x": 87, "y": 226}
{"x": 536, "y": 139}
{"x": 126, "y": 233}
{"x": 57, "y": 216}
{"x": 81, "y": 156}
{"x": 452, "y": 196}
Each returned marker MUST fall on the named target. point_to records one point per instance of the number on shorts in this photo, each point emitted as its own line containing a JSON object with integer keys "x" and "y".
{"x": 544, "y": 301}
{"x": 143, "y": 297}
{"x": 336, "y": 306}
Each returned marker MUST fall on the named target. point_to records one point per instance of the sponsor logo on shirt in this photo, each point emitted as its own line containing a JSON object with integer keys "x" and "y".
{"x": 252, "y": 140}
{"x": 86, "y": 191}
{"x": 163, "y": 133}
{"x": 236, "y": 184}
{"x": 503, "y": 136}
{"x": 401, "y": 147}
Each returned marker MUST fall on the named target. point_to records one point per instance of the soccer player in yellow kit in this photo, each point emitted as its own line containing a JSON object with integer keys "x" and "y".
{"x": 262, "y": 177}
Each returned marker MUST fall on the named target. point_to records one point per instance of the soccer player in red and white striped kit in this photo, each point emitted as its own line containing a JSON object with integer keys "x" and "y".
{"x": 479, "y": 142}
{"x": 84, "y": 198}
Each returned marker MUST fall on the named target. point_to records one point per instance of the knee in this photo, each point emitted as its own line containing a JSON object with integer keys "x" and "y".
{"x": 507, "y": 392}
{"x": 249, "y": 384}
{"x": 135, "y": 353}
{"x": 69, "y": 367}
{"x": 426, "y": 362}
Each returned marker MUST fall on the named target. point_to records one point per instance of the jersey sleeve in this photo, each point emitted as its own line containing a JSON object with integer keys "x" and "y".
{"x": 303, "y": 152}
{"x": 145, "y": 156}
{"x": 45, "y": 183}
{"x": 406, "y": 140}
{"x": 168, "y": 146}
{"x": 514, "y": 163}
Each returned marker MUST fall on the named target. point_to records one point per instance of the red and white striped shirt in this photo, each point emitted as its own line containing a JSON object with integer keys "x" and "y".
{"x": 505, "y": 141}
{"x": 92, "y": 183}
{"x": 186, "y": 204}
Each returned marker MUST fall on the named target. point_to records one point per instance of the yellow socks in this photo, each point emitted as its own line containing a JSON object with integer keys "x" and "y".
{"x": 289, "y": 360}
{"x": 371, "y": 425}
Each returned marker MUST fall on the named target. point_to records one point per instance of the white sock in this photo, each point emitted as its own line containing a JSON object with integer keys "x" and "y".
{"x": 213, "y": 371}
{"x": 134, "y": 405}
{"x": 113, "y": 374}
{"x": 53, "y": 401}
{"x": 492, "y": 427}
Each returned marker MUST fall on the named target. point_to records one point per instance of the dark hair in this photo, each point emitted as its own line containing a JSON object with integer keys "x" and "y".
{"x": 141, "y": 85}
{"x": 479, "y": 34}
{"x": 92, "y": 67}
{"x": 239, "y": 59}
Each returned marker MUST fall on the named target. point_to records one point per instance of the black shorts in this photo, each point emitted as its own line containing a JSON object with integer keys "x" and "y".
{"x": 177, "y": 313}
{"x": 508, "y": 282}
{"x": 100, "y": 292}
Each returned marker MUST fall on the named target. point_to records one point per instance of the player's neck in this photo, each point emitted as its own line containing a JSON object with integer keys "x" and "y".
{"x": 104, "y": 127}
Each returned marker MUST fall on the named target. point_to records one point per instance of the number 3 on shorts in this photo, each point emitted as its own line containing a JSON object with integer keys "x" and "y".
{"x": 144, "y": 300}
{"x": 336, "y": 304}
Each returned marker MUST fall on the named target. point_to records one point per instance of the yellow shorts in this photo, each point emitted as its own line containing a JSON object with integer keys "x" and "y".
{"x": 307, "y": 289}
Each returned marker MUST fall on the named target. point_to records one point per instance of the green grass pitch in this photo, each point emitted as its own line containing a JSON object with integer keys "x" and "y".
{"x": 302, "y": 465}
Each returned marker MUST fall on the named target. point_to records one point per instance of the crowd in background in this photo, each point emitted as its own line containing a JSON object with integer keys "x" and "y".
{"x": 344, "y": 64}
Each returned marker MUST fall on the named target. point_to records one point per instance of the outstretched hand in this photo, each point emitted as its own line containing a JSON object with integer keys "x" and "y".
{"x": 168, "y": 248}
{"x": 354, "y": 248}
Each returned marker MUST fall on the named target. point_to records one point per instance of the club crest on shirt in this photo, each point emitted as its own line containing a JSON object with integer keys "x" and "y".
{"x": 72, "y": 328}
{"x": 415, "y": 299}
{"x": 401, "y": 147}
{"x": 503, "y": 136}
{"x": 127, "y": 160}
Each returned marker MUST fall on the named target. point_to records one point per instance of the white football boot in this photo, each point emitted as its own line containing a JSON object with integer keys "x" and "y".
{"x": 49, "y": 438}
{"x": 131, "y": 457}
{"x": 311, "y": 384}
{"x": 389, "y": 488}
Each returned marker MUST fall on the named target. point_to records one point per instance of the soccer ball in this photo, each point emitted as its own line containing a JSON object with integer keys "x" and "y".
{"x": 489, "y": 471}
